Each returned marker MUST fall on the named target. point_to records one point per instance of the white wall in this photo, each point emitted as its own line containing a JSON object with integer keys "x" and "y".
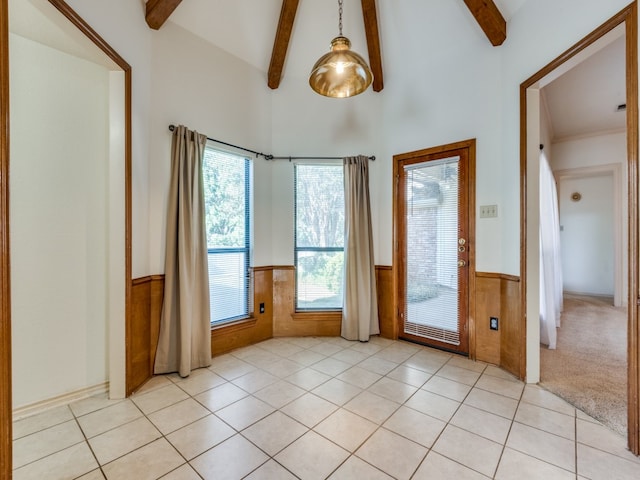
{"x": 545, "y": 130}
{"x": 590, "y": 151}
{"x": 308, "y": 124}
{"x": 539, "y": 32}
{"x": 459, "y": 87}
{"x": 448, "y": 91}
{"x": 209, "y": 90}
{"x": 216, "y": 94}
{"x": 587, "y": 235}
{"x": 121, "y": 24}
{"x": 59, "y": 222}
{"x": 603, "y": 154}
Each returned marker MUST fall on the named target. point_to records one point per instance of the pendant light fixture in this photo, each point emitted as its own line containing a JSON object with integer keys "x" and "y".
{"x": 340, "y": 73}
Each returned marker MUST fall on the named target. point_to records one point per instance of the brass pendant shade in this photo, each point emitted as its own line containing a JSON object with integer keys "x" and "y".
{"x": 340, "y": 73}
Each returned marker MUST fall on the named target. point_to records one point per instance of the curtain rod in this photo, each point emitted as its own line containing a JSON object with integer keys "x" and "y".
{"x": 269, "y": 156}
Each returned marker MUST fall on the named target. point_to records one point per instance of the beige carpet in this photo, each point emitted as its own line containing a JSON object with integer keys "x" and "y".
{"x": 589, "y": 366}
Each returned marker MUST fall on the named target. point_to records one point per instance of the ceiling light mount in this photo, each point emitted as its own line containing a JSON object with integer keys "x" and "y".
{"x": 340, "y": 73}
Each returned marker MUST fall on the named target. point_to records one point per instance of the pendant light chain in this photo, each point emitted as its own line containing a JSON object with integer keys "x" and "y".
{"x": 340, "y": 16}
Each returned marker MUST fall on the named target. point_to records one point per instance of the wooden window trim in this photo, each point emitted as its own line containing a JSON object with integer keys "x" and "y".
{"x": 319, "y": 316}
{"x": 234, "y": 326}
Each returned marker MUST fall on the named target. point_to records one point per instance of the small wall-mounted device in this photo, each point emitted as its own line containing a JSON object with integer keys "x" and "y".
{"x": 262, "y": 308}
{"x": 493, "y": 323}
{"x": 488, "y": 211}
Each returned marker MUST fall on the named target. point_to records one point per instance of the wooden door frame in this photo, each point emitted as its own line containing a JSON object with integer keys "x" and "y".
{"x": 6, "y": 431}
{"x": 6, "y": 465}
{"x": 470, "y": 146}
{"x": 629, "y": 17}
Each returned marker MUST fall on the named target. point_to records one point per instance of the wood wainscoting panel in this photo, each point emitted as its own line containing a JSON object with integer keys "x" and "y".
{"x": 512, "y": 330}
{"x": 315, "y": 324}
{"x": 155, "y": 312}
{"x": 255, "y": 329}
{"x": 498, "y": 295}
{"x": 139, "y": 368}
{"x": 275, "y": 287}
{"x": 283, "y": 299}
{"x": 487, "y": 300}
{"x": 289, "y": 323}
{"x": 223, "y": 339}
{"x": 384, "y": 285}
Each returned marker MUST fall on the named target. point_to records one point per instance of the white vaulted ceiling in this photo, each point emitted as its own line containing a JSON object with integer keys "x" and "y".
{"x": 581, "y": 101}
{"x": 584, "y": 100}
{"x": 246, "y": 28}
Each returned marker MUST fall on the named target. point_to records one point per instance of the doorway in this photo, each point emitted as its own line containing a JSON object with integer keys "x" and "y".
{"x": 61, "y": 24}
{"x": 529, "y": 260}
{"x": 435, "y": 244}
{"x": 594, "y": 228}
{"x": 589, "y": 364}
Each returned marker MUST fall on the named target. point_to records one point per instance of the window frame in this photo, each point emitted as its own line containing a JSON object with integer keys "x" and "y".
{"x": 246, "y": 249}
{"x": 297, "y": 249}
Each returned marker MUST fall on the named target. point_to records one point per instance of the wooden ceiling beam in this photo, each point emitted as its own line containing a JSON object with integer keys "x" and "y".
{"x": 490, "y": 20}
{"x": 159, "y": 11}
{"x": 281, "y": 42}
{"x": 370, "y": 16}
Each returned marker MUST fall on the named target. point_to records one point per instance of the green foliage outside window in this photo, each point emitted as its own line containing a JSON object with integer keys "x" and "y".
{"x": 224, "y": 178}
{"x": 319, "y": 236}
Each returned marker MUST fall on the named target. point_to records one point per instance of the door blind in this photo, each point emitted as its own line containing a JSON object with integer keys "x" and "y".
{"x": 431, "y": 219}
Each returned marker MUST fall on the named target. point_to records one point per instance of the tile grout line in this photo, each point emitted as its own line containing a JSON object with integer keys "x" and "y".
{"x": 378, "y": 426}
{"x": 250, "y": 394}
{"x": 513, "y": 420}
{"x": 400, "y": 405}
{"x": 381, "y": 425}
{"x": 86, "y": 440}
{"x": 575, "y": 438}
{"x": 57, "y": 451}
{"x": 448, "y": 422}
{"x": 339, "y": 407}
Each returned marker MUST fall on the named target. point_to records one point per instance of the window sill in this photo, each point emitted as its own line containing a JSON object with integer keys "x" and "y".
{"x": 319, "y": 316}
{"x": 234, "y": 326}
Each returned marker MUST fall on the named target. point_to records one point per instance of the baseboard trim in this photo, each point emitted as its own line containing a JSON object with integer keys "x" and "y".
{"x": 58, "y": 401}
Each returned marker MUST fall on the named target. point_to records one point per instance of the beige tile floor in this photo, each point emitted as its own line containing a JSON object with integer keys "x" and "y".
{"x": 316, "y": 408}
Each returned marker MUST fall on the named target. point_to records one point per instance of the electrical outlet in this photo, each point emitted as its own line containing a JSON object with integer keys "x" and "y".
{"x": 488, "y": 211}
{"x": 493, "y": 323}
{"x": 262, "y": 308}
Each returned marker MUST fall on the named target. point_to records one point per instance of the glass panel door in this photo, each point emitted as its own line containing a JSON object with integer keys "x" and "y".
{"x": 433, "y": 248}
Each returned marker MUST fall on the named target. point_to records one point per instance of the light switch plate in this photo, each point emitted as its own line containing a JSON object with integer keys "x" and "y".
{"x": 488, "y": 211}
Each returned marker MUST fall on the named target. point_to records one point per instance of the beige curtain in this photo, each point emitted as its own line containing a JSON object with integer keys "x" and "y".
{"x": 185, "y": 329}
{"x": 360, "y": 305}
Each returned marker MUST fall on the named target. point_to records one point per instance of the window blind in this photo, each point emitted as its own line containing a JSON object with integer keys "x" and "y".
{"x": 431, "y": 219}
{"x": 227, "y": 183}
